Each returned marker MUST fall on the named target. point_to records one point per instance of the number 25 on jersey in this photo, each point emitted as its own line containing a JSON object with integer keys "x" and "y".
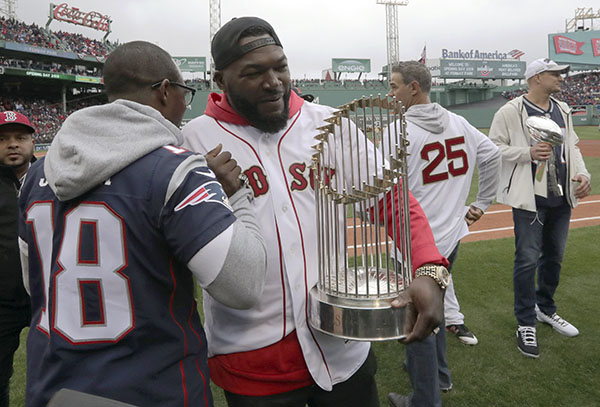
{"x": 451, "y": 151}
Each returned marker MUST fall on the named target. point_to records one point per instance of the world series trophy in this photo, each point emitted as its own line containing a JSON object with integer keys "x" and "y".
{"x": 364, "y": 253}
{"x": 544, "y": 129}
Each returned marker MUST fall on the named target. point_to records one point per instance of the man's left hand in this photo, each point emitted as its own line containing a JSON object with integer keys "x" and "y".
{"x": 473, "y": 215}
{"x": 425, "y": 301}
{"x": 584, "y": 188}
{"x": 225, "y": 168}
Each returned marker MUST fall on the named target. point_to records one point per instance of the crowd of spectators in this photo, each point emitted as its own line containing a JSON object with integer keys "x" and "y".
{"x": 16, "y": 31}
{"x": 510, "y": 95}
{"x": 340, "y": 84}
{"x": 49, "y": 66}
{"x": 83, "y": 45}
{"x": 45, "y": 115}
{"x": 577, "y": 90}
{"x": 581, "y": 89}
{"x": 32, "y": 34}
{"x": 375, "y": 83}
{"x": 198, "y": 83}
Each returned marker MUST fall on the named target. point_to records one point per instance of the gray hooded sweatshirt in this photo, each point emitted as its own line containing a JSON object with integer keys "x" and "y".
{"x": 97, "y": 142}
{"x": 431, "y": 117}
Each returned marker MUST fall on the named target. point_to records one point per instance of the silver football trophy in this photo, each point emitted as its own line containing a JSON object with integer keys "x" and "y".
{"x": 544, "y": 129}
{"x": 358, "y": 166}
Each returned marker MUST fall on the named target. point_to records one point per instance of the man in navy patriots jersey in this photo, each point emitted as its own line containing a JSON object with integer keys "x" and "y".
{"x": 115, "y": 223}
{"x": 541, "y": 197}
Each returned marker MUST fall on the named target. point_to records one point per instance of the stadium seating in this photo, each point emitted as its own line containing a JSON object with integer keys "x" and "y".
{"x": 50, "y": 67}
{"x": 32, "y": 34}
{"x": 352, "y": 84}
{"x": 581, "y": 89}
{"x": 577, "y": 90}
{"x": 45, "y": 115}
{"x": 82, "y": 45}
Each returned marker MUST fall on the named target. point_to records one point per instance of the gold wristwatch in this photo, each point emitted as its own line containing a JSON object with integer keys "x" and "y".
{"x": 439, "y": 273}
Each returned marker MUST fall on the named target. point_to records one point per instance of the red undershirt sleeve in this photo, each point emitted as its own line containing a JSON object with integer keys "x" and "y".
{"x": 423, "y": 245}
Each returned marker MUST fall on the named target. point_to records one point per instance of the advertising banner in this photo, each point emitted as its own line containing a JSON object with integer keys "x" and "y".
{"x": 39, "y": 50}
{"x": 14, "y": 46}
{"x": 580, "y": 49}
{"x": 457, "y": 68}
{"x": 52, "y": 75}
{"x": 88, "y": 79}
{"x": 73, "y": 15}
{"x": 190, "y": 64}
{"x": 351, "y": 65}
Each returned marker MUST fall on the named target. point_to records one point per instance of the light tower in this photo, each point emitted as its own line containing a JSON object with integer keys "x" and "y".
{"x": 391, "y": 28}
{"x": 215, "y": 24}
{"x": 8, "y": 8}
{"x": 584, "y": 20}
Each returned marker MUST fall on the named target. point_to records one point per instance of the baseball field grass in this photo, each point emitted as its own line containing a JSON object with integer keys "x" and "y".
{"x": 494, "y": 373}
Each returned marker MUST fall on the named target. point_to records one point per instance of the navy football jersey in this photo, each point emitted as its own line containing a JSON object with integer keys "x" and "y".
{"x": 113, "y": 301}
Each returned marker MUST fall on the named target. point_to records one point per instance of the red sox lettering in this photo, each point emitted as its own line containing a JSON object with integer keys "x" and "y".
{"x": 300, "y": 179}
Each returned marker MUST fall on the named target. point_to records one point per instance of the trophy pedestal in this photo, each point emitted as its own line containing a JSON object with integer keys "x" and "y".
{"x": 356, "y": 319}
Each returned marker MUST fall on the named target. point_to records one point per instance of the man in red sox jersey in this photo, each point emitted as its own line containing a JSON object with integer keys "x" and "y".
{"x": 443, "y": 152}
{"x": 268, "y": 354}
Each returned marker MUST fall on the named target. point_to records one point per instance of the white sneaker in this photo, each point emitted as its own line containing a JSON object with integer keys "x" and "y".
{"x": 555, "y": 321}
{"x": 527, "y": 341}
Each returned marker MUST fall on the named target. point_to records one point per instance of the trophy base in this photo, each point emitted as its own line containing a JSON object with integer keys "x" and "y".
{"x": 356, "y": 319}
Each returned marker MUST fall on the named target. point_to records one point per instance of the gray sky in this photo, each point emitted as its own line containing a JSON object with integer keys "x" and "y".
{"x": 314, "y": 31}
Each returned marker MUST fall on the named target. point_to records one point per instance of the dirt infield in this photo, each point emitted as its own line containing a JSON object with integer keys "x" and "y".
{"x": 497, "y": 221}
{"x": 589, "y": 148}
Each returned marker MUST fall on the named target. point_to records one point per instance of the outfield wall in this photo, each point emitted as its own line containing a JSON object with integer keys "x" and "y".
{"x": 482, "y": 116}
{"x": 477, "y": 105}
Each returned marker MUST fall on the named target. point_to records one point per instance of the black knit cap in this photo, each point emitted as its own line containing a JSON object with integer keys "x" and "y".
{"x": 225, "y": 48}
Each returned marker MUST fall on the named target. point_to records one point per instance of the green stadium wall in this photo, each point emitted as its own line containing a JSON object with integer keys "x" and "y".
{"x": 465, "y": 101}
{"x": 482, "y": 117}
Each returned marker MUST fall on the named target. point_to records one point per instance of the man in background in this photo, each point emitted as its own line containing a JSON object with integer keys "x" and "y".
{"x": 541, "y": 197}
{"x": 16, "y": 155}
{"x": 443, "y": 152}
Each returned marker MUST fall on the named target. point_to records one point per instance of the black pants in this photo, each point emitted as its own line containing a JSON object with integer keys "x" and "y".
{"x": 360, "y": 390}
{"x": 12, "y": 322}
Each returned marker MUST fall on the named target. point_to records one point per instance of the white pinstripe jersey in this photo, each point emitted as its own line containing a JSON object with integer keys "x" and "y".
{"x": 440, "y": 169}
{"x": 278, "y": 166}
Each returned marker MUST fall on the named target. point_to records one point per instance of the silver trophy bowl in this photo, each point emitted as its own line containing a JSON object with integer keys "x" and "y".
{"x": 357, "y": 165}
{"x": 544, "y": 130}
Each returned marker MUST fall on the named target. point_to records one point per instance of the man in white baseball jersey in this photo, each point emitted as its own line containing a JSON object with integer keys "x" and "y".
{"x": 269, "y": 355}
{"x": 443, "y": 152}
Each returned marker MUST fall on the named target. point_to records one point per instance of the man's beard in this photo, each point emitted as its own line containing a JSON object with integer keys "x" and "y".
{"x": 250, "y": 112}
